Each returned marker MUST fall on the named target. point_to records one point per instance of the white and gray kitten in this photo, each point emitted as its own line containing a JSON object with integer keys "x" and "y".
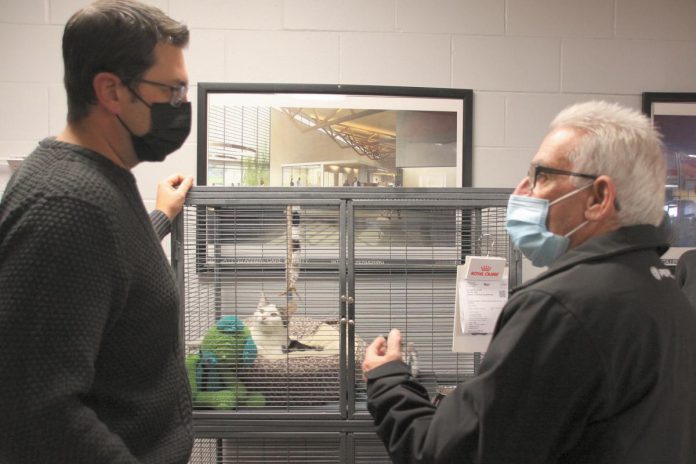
{"x": 268, "y": 328}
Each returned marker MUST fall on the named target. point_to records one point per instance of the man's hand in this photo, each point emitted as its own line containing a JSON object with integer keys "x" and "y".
{"x": 171, "y": 193}
{"x": 382, "y": 351}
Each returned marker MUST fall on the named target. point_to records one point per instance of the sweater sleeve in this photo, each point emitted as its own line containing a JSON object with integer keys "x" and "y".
{"x": 527, "y": 405}
{"x": 161, "y": 223}
{"x": 62, "y": 281}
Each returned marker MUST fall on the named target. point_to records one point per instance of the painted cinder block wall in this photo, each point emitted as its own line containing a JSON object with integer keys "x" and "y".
{"x": 524, "y": 59}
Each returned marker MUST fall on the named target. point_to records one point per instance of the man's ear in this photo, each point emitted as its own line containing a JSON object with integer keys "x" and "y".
{"x": 109, "y": 91}
{"x": 601, "y": 203}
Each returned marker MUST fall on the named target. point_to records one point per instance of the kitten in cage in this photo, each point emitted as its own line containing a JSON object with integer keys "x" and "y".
{"x": 269, "y": 331}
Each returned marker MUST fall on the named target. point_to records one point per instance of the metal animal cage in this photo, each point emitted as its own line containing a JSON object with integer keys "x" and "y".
{"x": 288, "y": 448}
{"x": 311, "y": 277}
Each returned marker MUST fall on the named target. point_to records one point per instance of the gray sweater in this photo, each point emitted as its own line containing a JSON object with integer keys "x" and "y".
{"x": 91, "y": 365}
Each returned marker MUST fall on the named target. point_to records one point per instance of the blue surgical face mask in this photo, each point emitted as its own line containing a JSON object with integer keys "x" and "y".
{"x": 526, "y": 224}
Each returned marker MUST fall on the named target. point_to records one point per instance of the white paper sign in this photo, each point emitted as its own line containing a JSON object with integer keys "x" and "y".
{"x": 482, "y": 284}
{"x": 480, "y": 303}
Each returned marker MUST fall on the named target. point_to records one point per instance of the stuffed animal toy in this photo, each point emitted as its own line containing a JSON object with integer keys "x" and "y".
{"x": 226, "y": 349}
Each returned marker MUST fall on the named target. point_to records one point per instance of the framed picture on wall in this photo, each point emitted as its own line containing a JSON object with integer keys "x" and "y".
{"x": 674, "y": 114}
{"x": 325, "y": 136}
{"x": 283, "y": 135}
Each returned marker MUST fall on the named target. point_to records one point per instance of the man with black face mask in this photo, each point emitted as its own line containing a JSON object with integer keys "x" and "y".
{"x": 91, "y": 363}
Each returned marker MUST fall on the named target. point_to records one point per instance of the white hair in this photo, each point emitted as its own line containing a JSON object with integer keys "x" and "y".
{"x": 623, "y": 144}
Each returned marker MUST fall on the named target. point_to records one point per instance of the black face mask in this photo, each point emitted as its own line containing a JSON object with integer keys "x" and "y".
{"x": 169, "y": 127}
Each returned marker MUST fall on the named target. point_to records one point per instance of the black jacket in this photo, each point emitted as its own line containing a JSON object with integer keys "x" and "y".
{"x": 686, "y": 275}
{"x": 593, "y": 361}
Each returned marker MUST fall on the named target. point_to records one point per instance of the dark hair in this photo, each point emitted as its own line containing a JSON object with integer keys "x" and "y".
{"x": 117, "y": 36}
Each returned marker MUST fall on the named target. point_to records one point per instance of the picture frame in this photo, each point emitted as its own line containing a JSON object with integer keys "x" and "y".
{"x": 256, "y": 135}
{"x": 674, "y": 115}
{"x": 255, "y": 138}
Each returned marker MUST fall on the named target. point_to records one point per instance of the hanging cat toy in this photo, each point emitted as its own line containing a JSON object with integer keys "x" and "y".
{"x": 293, "y": 260}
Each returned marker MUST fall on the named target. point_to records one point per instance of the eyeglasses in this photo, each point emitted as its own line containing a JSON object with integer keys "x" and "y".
{"x": 535, "y": 170}
{"x": 179, "y": 92}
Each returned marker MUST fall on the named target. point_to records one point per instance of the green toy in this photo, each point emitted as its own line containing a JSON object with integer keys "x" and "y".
{"x": 227, "y": 348}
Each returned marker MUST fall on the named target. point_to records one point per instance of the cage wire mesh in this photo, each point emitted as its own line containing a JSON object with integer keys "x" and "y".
{"x": 405, "y": 277}
{"x": 300, "y": 449}
{"x": 369, "y": 449}
{"x": 205, "y": 451}
{"x": 270, "y": 448}
{"x": 267, "y": 275}
{"x": 272, "y": 270}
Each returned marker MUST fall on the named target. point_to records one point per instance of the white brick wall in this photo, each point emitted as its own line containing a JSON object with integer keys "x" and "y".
{"x": 281, "y": 56}
{"x": 22, "y": 12}
{"x": 338, "y": 15}
{"x": 419, "y": 60}
{"x": 30, "y": 53}
{"x": 527, "y": 115}
{"x": 263, "y": 15}
{"x": 656, "y": 19}
{"x": 484, "y": 17}
{"x": 628, "y": 66}
{"x": 561, "y": 18}
{"x": 517, "y": 64}
{"x": 525, "y": 60}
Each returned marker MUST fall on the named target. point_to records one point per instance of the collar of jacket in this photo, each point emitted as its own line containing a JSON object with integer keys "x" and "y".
{"x": 617, "y": 242}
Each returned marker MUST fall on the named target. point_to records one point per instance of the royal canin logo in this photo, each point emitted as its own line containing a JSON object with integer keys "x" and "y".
{"x": 485, "y": 272}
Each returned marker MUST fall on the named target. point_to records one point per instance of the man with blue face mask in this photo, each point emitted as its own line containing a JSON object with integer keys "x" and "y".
{"x": 592, "y": 361}
{"x": 526, "y": 224}
{"x": 91, "y": 362}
